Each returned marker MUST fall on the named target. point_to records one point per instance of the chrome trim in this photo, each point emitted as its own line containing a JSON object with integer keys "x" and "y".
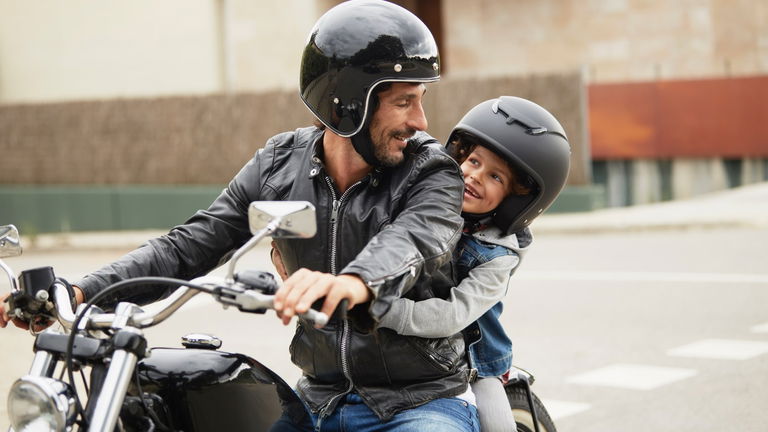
{"x": 113, "y": 391}
{"x": 42, "y": 364}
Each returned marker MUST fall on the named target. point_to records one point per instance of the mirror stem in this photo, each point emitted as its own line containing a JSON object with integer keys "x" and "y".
{"x": 11, "y": 276}
{"x": 267, "y": 230}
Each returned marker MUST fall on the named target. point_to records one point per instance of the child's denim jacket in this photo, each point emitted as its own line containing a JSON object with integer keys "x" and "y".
{"x": 490, "y": 349}
{"x": 483, "y": 263}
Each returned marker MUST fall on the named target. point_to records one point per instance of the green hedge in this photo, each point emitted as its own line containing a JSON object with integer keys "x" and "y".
{"x": 47, "y": 209}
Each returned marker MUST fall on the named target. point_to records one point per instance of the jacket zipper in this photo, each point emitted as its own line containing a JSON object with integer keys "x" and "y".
{"x": 410, "y": 267}
{"x": 336, "y": 206}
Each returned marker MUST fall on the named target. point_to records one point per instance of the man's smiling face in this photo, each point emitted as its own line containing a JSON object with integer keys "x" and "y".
{"x": 398, "y": 117}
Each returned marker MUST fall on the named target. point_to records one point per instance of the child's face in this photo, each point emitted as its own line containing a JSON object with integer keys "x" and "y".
{"x": 487, "y": 180}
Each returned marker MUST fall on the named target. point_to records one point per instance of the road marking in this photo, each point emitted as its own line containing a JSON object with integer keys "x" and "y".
{"x": 631, "y": 376}
{"x": 762, "y": 328}
{"x": 613, "y": 276}
{"x": 558, "y": 409}
{"x": 721, "y": 349}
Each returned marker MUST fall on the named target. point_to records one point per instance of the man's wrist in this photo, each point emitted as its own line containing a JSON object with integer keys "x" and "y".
{"x": 361, "y": 293}
{"x": 79, "y": 295}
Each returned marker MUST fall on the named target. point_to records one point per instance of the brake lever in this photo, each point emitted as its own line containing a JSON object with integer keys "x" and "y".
{"x": 251, "y": 300}
{"x": 257, "y": 302}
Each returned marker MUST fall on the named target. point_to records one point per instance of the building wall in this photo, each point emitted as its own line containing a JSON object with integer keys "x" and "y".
{"x": 151, "y": 163}
{"x": 206, "y": 139}
{"x": 264, "y": 42}
{"x": 613, "y": 40}
{"x": 89, "y": 49}
{"x": 120, "y": 52}
{"x": 59, "y": 50}
{"x": 696, "y": 68}
{"x": 680, "y": 119}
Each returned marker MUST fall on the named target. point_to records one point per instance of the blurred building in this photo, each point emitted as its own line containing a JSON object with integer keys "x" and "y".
{"x": 669, "y": 97}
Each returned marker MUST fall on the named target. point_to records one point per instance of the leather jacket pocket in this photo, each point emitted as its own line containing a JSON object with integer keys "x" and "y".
{"x": 439, "y": 352}
{"x": 407, "y": 359}
{"x": 430, "y": 355}
{"x": 315, "y": 352}
{"x": 301, "y": 352}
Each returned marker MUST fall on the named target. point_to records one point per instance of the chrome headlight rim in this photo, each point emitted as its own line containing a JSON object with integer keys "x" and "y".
{"x": 52, "y": 396}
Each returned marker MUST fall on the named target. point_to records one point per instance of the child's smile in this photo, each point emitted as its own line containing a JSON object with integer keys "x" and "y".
{"x": 487, "y": 179}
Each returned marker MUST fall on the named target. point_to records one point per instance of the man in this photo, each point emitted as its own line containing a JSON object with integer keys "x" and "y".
{"x": 388, "y": 206}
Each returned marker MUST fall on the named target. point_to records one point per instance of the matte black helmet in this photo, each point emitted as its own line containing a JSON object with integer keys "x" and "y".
{"x": 354, "y": 47}
{"x": 532, "y": 141}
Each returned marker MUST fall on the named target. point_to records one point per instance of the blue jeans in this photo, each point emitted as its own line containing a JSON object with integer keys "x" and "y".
{"x": 440, "y": 415}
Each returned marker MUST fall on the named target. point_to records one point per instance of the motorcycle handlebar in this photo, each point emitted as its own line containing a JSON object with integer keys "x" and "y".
{"x": 62, "y": 301}
{"x": 246, "y": 300}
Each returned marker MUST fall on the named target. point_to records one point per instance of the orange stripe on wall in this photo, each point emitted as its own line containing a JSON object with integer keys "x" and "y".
{"x": 673, "y": 119}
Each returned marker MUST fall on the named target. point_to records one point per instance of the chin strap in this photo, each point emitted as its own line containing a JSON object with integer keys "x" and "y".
{"x": 362, "y": 141}
{"x": 364, "y": 146}
{"x": 474, "y": 222}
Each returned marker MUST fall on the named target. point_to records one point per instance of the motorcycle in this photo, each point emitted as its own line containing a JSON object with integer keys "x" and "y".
{"x": 197, "y": 388}
{"x": 530, "y": 413}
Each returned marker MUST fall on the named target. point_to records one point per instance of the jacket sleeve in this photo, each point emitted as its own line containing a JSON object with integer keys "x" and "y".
{"x": 203, "y": 242}
{"x": 420, "y": 239}
{"x": 485, "y": 286}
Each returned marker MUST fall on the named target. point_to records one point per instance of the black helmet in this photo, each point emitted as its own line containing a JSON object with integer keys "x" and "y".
{"x": 531, "y": 140}
{"x": 355, "y": 46}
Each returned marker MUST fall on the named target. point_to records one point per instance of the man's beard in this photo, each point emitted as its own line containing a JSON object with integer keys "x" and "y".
{"x": 382, "y": 145}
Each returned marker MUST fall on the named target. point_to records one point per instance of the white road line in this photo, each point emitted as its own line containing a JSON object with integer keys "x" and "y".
{"x": 761, "y": 328}
{"x": 558, "y": 409}
{"x": 721, "y": 349}
{"x": 613, "y": 276}
{"x": 633, "y": 377}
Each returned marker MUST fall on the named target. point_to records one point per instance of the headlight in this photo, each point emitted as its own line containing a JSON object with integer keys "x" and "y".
{"x": 41, "y": 404}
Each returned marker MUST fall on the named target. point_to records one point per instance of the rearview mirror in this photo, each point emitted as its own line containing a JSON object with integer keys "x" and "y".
{"x": 10, "y": 246}
{"x": 295, "y": 219}
{"x": 279, "y": 219}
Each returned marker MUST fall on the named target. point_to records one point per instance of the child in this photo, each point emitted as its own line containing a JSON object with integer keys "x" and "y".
{"x": 514, "y": 156}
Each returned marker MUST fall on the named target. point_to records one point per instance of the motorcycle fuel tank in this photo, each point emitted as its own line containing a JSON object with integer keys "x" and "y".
{"x": 206, "y": 390}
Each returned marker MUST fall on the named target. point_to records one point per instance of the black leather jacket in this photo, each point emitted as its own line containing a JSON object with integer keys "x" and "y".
{"x": 396, "y": 229}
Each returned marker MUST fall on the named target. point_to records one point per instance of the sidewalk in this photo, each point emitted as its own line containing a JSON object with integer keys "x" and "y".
{"x": 743, "y": 207}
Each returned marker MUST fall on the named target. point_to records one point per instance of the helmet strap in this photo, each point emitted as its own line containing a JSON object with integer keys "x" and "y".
{"x": 363, "y": 145}
{"x": 474, "y": 222}
{"x": 362, "y": 141}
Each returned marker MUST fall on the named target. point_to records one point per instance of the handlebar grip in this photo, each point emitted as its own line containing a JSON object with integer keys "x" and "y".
{"x": 316, "y": 317}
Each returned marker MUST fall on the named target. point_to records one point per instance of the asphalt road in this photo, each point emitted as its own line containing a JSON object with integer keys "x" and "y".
{"x": 655, "y": 330}
{"x": 662, "y": 331}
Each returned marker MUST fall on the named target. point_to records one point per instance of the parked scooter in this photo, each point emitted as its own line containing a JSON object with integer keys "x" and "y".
{"x": 194, "y": 389}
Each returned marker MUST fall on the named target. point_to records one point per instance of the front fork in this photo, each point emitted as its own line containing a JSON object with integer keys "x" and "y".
{"x": 43, "y": 364}
{"x": 130, "y": 345}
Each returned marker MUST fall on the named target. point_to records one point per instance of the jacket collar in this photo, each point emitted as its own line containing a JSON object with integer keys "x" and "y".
{"x": 317, "y": 166}
{"x": 316, "y": 151}
{"x": 518, "y": 241}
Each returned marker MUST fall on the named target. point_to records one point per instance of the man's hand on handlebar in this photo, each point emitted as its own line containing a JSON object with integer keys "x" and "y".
{"x": 5, "y": 317}
{"x": 305, "y": 286}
